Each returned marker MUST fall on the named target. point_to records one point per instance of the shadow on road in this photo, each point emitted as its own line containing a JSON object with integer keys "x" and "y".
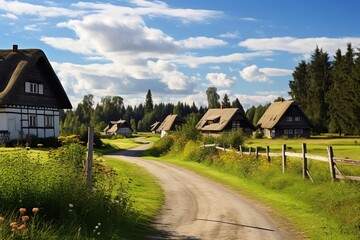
{"x": 236, "y": 224}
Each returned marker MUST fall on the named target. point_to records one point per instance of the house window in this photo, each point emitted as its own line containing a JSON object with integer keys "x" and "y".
{"x": 49, "y": 121}
{"x": 35, "y": 88}
{"x": 296, "y": 131}
{"x": 286, "y": 131}
{"x": 32, "y": 120}
{"x": 289, "y": 118}
{"x": 301, "y": 131}
{"x": 290, "y": 131}
{"x": 235, "y": 124}
{"x": 297, "y": 118}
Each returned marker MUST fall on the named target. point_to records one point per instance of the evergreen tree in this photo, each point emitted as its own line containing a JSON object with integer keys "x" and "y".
{"x": 149, "y": 106}
{"x": 250, "y": 113}
{"x": 236, "y": 104}
{"x": 320, "y": 81}
{"x": 212, "y": 97}
{"x": 226, "y": 102}
{"x": 300, "y": 85}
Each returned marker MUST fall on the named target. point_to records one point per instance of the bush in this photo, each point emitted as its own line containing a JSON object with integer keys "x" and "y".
{"x": 162, "y": 146}
{"x": 232, "y": 138}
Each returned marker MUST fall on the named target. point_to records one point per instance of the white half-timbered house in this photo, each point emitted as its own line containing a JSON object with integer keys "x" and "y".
{"x": 30, "y": 95}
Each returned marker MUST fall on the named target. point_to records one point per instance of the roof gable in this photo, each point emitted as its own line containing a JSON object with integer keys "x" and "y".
{"x": 15, "y": 68}
{"x": 275, "y": 113}
{"x": 217, "y": 119}
{"x": 168, "y": 123}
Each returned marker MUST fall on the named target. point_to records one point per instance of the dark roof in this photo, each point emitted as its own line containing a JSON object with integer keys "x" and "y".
{"x": 224, "y": 116}
{"x": 15, "y": 67}
{"x": 275, "y": 112}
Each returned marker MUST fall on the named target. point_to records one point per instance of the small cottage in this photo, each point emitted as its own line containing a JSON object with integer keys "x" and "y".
{"x": 285, "y": 118}
{"x": 169, "y": 124}
{"x": 31, "y": 95}
{"x": 154, "y": 127}
{"x": 216, "y": 121}
{"x": 120, "y": 127}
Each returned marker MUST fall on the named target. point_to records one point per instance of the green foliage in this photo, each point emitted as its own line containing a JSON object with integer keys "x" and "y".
{"x": 58, "y": 187}
{"x": 162, "y": 146}
{"x": 213, "y": 97}
{"x": 232, "y": 138}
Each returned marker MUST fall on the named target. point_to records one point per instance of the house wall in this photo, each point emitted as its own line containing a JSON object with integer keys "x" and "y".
{"x": 16, "y": 121}
{"x": 124, "y": 131}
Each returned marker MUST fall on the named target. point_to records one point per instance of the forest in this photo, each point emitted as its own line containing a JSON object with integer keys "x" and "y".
{"x": 326, "y": 88}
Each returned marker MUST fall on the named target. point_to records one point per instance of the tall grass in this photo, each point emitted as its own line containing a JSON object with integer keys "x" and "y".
{"x": 67, "y": 207}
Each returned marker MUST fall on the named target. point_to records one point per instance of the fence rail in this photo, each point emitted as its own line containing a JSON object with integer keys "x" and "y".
{"x": 334, "y": 170}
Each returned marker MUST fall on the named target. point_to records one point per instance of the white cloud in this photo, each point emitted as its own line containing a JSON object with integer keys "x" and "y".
{"x": 194, "y": 62}
{"x": 232, "y": 35}
{"x": 10, "y": 16}
{"x": 249, "y": 19}
{"x": 20, "y": 8}
{"x": 254, "y": 74}
{"x": 201, "y": 42}
{"x": 220, "y": 79}
{"x": 298, "y": 45}
{"x": 32, "y": 27}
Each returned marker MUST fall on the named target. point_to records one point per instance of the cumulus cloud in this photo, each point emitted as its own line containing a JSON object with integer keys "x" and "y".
{"x": 254, "y": 74}
{"x": 220, "y": 79}
{"x": 298, "y": 45}
{"x": 201, "y": 42}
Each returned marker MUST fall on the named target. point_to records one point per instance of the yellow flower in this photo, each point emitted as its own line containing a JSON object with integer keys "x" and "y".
{"x": 24, "y": 218}
{"x": 35, "y": 210}
{"x": 22, "y": 210}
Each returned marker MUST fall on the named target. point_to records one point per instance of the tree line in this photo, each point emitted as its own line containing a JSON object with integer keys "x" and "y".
{"x": 328, "y": 90}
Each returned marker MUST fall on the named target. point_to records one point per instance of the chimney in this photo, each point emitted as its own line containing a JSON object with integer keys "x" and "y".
{"x": 15, "y": 48}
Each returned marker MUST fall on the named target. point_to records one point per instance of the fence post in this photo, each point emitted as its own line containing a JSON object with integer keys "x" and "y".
{"x": 331, "y": 163}
{"x": 89, "y": 158}
{"x": 240, "y": 150}
{"x": 250, "y": 151}
{"x": 256, "y": 153}
{"x": 305, "y": 175}
{"x": 268, "y": 153}
{"x": 283, "y": 158}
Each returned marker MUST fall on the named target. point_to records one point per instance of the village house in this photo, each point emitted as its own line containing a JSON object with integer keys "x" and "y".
{"x": 218, "y": 120}
{"x": 120, "y": 127}
{"x": 31, "y": 95}
{"x": 285, "y": 118}
{"x": 169, "y": 124}
{"x": 154, "y": 127}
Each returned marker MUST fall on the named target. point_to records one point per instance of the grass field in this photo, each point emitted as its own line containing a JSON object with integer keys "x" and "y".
{"x": 343, "y": 147}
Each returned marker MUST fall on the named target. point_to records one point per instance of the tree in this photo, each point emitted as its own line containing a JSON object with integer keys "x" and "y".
{"x": 250, "y": 113}
{"x": 149, "y": 106}
{"x": 300, "y": 85}
{"x": 236, "y": 104}
{"x": 212, "y": 97}
{"x": 226, "y": 102}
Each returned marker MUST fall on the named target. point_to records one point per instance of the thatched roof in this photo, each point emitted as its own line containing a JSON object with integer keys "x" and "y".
{"x": 115, "y": 125}
{"x": 221, "y": 118}
{"x": 169, "y": 122}
{"x": 15, "y": 67}
{"x": 154, "y": 126}
{"x": 275, "y": 112}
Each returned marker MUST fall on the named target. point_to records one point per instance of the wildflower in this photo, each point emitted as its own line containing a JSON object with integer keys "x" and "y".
{"x": 35, "y": 210}
{"x": 2, "y": 219}
{"x": 71, "y": 205}
{"x": 96, "y": 227}
{"x": 24, "y": 218}
{"x": 99, "y": 224}
{"x": 22, "y": 227}
{"x": 98, "y": 233}
{"x": 22, "y": 210}
{"x": 13, "y": 225}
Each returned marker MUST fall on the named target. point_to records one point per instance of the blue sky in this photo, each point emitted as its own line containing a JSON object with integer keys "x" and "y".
{"x": 178, "y": 48}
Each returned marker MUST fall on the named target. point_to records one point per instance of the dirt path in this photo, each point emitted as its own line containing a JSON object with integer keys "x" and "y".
{"x": 197, "y": 208}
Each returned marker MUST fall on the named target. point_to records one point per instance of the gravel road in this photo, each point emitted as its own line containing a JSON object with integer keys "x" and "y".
{"x": 198, "y": 208}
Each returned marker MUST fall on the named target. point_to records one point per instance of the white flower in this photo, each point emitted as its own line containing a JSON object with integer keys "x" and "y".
{"x": 71, "y": 205}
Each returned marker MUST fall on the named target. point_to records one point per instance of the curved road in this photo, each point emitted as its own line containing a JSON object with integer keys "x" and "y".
{"x": 198, "y": 208}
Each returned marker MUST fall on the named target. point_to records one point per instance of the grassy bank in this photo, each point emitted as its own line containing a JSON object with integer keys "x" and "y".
{"x": 319, "y": 210}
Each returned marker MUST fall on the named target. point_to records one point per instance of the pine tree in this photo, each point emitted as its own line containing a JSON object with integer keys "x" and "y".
{"x": 236, "y": 104}
{"x": 226, "y": 102}
{"x": 149, "y": 105}
{"x": 299, "y": 86}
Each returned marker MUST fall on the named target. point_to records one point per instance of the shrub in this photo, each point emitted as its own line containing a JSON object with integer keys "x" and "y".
{"x": 162, "y": 146}
{"x": 232, "y": 138}
{"x": 193, "y": 152}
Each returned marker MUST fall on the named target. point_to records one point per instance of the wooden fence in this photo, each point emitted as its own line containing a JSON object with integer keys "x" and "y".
{"x": 331, "y": 159}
